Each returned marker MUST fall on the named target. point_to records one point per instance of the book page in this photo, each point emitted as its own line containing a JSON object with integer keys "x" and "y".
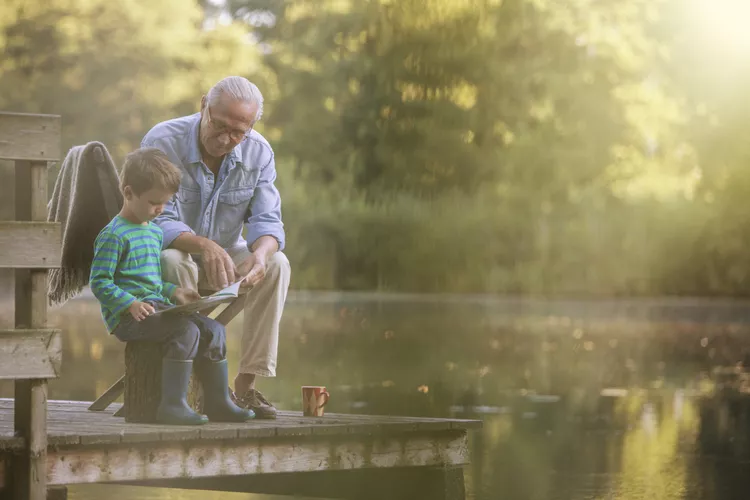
{"x": 228, "y": 294}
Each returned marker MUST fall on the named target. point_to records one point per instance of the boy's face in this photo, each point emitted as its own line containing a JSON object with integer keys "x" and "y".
{"x": 147, "y": 205}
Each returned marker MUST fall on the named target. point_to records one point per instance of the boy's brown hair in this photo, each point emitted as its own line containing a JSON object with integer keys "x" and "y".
{"x": 148, "y": 168}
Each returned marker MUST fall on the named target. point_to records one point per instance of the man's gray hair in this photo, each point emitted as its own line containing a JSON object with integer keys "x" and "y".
{"x": 239, "y": 89}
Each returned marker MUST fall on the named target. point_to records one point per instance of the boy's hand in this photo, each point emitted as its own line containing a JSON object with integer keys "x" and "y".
{"x": 185, "y": 296}
{"x": 140, "y": 310}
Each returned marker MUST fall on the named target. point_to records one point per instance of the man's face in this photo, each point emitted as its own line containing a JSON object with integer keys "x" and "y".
{"x": 225, "y": 124}
{"x": 148, "y": 205}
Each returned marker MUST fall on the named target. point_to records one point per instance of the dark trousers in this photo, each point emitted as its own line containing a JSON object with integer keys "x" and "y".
{"x": 181, "y": 337}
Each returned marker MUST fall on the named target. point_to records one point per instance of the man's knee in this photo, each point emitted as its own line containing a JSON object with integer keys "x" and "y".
{"x": 172, "y": 258}
{"x": 278, "y": 266}
{"x": 178, "y": 267}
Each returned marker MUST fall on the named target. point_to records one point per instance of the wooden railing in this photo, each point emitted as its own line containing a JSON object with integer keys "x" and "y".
{"x": 30, "y": 353}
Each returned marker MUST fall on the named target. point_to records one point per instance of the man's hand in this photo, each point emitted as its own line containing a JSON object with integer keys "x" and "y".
{"x": 185, "y": 296}
{"x": 141, "y": 310}
{"x": 253, "y": 270}
{"x": 218, "y": 265}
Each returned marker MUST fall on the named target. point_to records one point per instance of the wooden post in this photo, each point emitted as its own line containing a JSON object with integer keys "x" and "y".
{"x": 30, "y": 353}
{"x": 7, "y": 276}
{"x": 30, "y": 418}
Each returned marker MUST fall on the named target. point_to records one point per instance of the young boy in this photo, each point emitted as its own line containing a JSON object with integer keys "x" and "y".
{"x": 126, "y": 279}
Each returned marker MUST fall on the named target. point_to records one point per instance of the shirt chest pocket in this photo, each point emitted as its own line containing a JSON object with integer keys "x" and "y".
{"x": 189, "y": 206}
{"x": 234, "y": 208}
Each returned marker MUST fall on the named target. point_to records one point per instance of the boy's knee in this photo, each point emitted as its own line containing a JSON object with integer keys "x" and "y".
{"x": 188, "y": 340}
{"x": 217, "y": 329}
{"x": 217, "y": 344}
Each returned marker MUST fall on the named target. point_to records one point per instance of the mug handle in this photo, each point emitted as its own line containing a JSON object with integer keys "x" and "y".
{"x": 327, "y": 396}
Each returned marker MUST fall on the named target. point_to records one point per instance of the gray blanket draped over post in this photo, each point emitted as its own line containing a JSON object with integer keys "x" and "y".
{"x": 86, "y": 197}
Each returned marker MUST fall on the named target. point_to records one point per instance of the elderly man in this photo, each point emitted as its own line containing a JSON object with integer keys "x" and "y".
{"x": 228, "y": 180}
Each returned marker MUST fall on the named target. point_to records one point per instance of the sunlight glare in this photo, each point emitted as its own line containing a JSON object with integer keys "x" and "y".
{"x": 723, "y": 23}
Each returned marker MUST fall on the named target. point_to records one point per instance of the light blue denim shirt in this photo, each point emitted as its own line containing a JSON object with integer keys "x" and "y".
{"x": 216, "y": 208}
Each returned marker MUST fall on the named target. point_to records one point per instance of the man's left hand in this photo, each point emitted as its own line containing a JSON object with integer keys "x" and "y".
{"x": 253, "y": 270}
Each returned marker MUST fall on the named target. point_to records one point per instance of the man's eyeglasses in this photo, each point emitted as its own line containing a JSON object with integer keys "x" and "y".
{"x": 221, "y": 128}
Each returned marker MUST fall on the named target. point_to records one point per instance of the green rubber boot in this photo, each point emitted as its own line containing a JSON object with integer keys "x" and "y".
{"x": 216, "y": 401}
{"x": 173, "y": 408}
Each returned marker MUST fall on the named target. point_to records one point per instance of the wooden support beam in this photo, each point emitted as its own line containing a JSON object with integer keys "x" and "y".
{"x": 29, "y": 478}
{"x": 30, "y": 415}
{"x": 29, "y": 137}
{"x": 109, "y": 396}
{"x": 232, "y": 310}
{"x": 26, "y": 354}
{"x": 31, "y": 297}
{"x": 31, "y": 190}
{"x": 7, "y": 212}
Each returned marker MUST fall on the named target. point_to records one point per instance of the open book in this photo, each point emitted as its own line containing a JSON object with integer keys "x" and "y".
{"x": 228, "y": 294}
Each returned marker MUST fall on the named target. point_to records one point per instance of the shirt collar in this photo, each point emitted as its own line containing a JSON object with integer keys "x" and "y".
{"x": 193, "y": 153}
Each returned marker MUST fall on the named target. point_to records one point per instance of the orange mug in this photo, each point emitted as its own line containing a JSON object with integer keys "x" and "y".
{"x": 314, "y": 398}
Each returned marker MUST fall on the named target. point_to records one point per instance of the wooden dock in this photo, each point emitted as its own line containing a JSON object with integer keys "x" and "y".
{"x": 335, "y": 456}
{"x": 46, "y": 445}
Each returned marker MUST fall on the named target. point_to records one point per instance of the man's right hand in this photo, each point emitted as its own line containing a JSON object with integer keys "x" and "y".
{"x": 218, "y": 266}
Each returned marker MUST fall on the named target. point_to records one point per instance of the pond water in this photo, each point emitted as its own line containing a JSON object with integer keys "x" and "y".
{"x": 609, "y": 399}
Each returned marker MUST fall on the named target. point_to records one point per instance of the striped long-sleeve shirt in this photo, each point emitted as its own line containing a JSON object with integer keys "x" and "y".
{"x": 127, "y": 267}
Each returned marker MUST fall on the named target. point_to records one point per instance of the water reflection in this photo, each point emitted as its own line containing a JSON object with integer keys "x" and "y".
{"x": 605, "y": 400}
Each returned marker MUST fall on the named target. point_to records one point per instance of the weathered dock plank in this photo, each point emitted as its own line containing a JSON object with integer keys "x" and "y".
{"x": 169, "y": 460}
{"x": 29, "y": 137}
{"x": 30, "y": 244}
{"x": 90, "y": 447}
{"x": 27, "y": 354}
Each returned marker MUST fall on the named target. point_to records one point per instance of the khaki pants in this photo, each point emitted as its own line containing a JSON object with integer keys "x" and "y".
{"x": 263, "y": 304}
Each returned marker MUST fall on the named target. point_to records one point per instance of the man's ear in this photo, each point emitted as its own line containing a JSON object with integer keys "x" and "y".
{"x": 127, "y": 192}
{"x": 203, "y": 103}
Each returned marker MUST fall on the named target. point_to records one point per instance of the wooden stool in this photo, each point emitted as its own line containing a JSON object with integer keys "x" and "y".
{"x": 143, "y": 383}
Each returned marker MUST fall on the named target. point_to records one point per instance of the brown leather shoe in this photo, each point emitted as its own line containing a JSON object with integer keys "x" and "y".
{"x": 254, "y": 400}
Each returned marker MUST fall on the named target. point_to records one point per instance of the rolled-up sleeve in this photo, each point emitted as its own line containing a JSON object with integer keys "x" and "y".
{"x": 171, "y": 225}
{"x": 169, "y": 221}
{"x": 265, "y": 208}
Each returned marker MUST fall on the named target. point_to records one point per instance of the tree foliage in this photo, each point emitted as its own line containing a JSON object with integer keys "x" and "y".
{"x": 525, "y": 146}
{"x": 112, "y": 69}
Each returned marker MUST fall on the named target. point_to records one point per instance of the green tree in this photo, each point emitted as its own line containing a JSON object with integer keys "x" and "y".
{"x": 113, "y": 69}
